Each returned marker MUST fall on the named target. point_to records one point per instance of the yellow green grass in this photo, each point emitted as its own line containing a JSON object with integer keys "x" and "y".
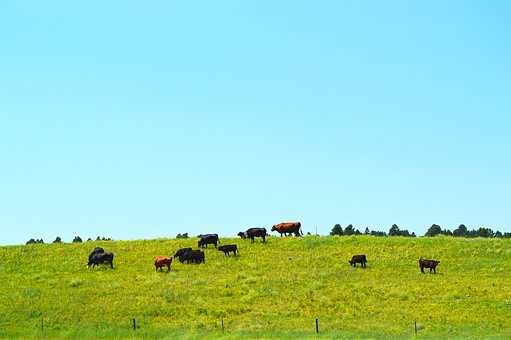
{"x": 276, "y": 289}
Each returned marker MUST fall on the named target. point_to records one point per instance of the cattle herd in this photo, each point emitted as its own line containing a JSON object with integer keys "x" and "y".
{"x": 188, "y": 255}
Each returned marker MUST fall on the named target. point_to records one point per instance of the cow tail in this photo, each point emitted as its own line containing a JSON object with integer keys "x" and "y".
{"x": 301, "y": 230}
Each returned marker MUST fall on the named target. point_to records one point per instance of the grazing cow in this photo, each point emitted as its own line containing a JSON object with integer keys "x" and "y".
{"x": 101, "y": 258}
{"x": 208, "y": 239}
{"x": 162, "y": 261}
{"x": 180, "y": 253}
{"x": 288, "y": 228}
{"x": 97, "y": 250}
{"x": 242, "y": 234}
{"x": 193, "y": 256}
{"x": 358, "y": 259}
{"x": 431, "y": 264}
{"x": 256, "y": 232}
{"x": 228, "y": 248}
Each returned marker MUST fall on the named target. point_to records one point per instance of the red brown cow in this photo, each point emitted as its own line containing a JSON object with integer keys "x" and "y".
{"x": 288, "y": 228}
{"x": 162, "y": 261}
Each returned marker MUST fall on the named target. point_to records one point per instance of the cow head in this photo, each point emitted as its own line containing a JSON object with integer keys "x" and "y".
{"x": 274, "y": 228}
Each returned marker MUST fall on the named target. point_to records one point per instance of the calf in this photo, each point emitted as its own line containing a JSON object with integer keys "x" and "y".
{"x": 162, "y": 261}
{"x": 228, "y": 248}
{"x": 358, "y": 259}
{"x": 431, "y": 264}
{"x": 101, "y": 258}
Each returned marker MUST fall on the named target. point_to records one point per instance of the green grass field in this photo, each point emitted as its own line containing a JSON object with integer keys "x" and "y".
{"x": 276, "y": 289}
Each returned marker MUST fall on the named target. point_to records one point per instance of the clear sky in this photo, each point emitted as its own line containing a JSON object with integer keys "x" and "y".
{"x": 141, "y": 119}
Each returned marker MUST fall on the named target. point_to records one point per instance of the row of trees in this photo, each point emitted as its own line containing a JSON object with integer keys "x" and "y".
{"x": 462, "y": 231}
{"x": 434, "y": 230}
{"x": 350, "y": 230}
{"x": 76, "y": 239}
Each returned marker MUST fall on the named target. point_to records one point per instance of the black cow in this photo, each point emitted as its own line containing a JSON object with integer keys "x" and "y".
{"x": 228, "y": 248}
{"x": 256, "y": 232}
{"x": 208, "y": 239}
{"x": 101, "y": 258}
{"x": 193, "y": 256}
{"x": 97, "y": 250}
{"x": 180, "y": 253}
{"x": 431, "y": 264}
{"x": 358, "y": 259}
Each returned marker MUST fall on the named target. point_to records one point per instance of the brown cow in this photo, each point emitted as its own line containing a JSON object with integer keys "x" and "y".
{"x": 162, "y": 261}
{"x": 431, "y": 264}
{"x": 288, "y": 228}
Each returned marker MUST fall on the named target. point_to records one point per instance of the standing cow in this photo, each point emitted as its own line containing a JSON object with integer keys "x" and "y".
{"x": 288, "y": 228}
{"x": 251, "y": 233}
{"x": 97, "y": 250}
{"x": 101, "y": 258}
{"x": 204, "y": 240}
{"x": 431, "y": 264}
{"x": 162, "y": 261}
{"x": 180, "y": 253}
{"x": 193, "y": 256}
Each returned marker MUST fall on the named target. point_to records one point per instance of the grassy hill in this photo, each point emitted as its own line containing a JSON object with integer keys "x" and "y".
{"x": 273, "y": 289}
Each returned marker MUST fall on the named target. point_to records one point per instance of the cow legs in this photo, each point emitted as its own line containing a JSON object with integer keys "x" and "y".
{"x": 422, "y": 270}
{"x": 264, "y": 239}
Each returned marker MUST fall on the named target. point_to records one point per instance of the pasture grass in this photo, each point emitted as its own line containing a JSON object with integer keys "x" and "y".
{"x": 272, "y": 290}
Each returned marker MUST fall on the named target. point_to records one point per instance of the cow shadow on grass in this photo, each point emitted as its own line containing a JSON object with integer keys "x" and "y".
{"x": 101, "y": 268}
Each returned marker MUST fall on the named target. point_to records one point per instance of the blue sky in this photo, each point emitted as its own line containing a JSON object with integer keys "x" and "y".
{"x": 131, "y": 119}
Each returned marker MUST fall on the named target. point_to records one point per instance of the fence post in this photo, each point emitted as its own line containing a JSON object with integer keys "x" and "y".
{"x": 415, "y": 327}
{"x": 317, "y": 326}
{"x": 134, "y": 324}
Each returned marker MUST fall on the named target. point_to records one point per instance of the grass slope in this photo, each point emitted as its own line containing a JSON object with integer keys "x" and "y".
{"x": 271, "y": 290}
